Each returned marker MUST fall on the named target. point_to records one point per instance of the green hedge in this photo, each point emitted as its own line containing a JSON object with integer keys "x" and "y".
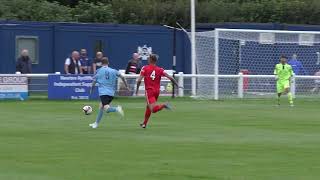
{"x": 163, "y": 11}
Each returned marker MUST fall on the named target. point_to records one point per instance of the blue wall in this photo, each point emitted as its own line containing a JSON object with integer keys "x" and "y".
{"x": 57, "y": 40}
{"x": 9, "y": 32}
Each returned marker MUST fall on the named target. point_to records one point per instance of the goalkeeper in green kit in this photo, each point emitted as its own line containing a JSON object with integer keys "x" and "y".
{"x": 283, "y": 72}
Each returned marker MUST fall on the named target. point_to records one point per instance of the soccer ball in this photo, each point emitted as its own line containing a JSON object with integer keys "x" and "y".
{"x": 87, "y": 110}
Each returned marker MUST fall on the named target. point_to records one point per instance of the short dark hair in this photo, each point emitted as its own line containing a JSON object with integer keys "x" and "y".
{"x": 153, "y": 57}
{"x": 105, "y": 60}
{"x": 283, "y": 57}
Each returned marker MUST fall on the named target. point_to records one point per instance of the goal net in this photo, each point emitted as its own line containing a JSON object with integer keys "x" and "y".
{"x": 254, "y": 53}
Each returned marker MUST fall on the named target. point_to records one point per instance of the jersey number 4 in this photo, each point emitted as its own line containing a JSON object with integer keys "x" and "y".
{"x": 153, "y": 75}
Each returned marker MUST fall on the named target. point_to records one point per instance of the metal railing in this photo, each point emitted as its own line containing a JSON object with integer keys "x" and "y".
{"x": 230, "y": 86}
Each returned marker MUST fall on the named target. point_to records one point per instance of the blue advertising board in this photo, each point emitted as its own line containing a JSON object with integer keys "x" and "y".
{"x": 13, "y": 87}
{"x": 69, "y": 87}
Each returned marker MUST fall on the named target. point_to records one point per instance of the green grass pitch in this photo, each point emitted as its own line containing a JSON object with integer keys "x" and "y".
{"x": 213, "y": 140}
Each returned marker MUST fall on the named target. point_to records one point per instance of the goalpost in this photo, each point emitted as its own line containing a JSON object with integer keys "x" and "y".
{"x": 193, "y": 45}
{"x": 224, "y": 53}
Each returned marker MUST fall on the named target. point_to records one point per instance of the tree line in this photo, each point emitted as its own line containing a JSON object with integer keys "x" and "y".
{"x": 162, "y": 11}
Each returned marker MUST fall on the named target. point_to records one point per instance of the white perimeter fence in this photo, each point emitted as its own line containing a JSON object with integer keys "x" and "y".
{"x": 229, "y": 86}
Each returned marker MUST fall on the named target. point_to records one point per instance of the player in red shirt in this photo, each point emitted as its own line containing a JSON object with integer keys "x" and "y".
{"x": 152, "y": 76}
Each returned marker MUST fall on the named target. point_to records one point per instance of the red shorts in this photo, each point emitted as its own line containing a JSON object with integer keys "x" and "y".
{"x": 152, "y": 96}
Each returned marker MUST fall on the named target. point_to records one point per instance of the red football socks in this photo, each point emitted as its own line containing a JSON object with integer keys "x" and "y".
{"x": 154, "y": 110}
{"x": 157, "y": 108}
{"x": 147, "y": 115}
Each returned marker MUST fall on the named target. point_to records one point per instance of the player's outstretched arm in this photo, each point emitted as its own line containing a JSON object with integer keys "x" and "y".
{"x": 92, "y": 86}
{"x": 172, "y": 80}
{"x": 138, "y": 83}
{"x": 291, "y": 74}
{"x": 94, "y": 68}
{"x": 275, "y": 72}
{"x": 124, "y": 81}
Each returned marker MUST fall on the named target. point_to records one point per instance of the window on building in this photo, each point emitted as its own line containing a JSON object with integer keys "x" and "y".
{"x": 31, "y": 43}
{"x": 98, "y": 45}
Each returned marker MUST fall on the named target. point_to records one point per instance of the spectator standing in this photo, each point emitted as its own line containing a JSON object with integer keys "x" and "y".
{"x": 72, "y": 64}
{"x": 133, "y": 67}
{"x": 297, "y": 66}
{"x": 24, "y": 63}
{"x": 97, "y": 62}
{"x": 85, "y": 62}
